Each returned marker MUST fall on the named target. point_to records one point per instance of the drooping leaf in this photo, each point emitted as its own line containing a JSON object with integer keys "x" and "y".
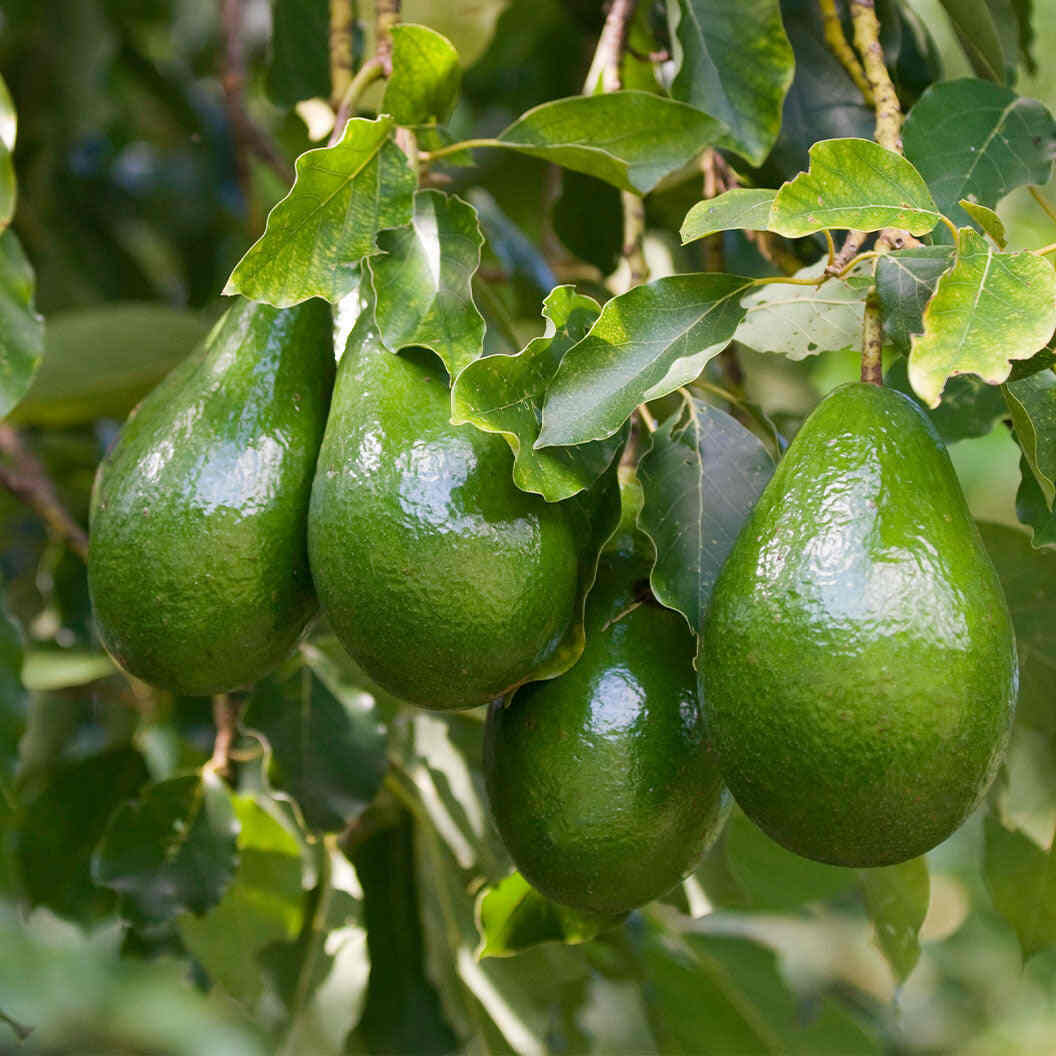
{"x": 798, "y": 321}
{"x": 987, "y": 219}
{"x": 1032, "y": 403}
{"x": 970, "y": 137}
{"x": 504, "y": 394}
{"x": 990, "y": 308}
{"x": 905, "y": 282}
{"x": 1032, "y": 509}
{"x": 316, "y": 236}
{"x": 897, "y": 897}
{"x": 21, "y": 328}
{"x": 979, "y": 36}
{"x": 171, "y": 851}
{"x": 425, "y": 76}
{"x": 743, "y": 208}
{"x": 630, "y": 139}
{"x": 700, "y": 477}
{"x": 421, "y": 281}
{"x": 734, "y": 62}
{"x": 856, "y": 184}
{"x": 646, "y": 343}
{"x": 512, "y": 916}
{"x": 300, "y": 52}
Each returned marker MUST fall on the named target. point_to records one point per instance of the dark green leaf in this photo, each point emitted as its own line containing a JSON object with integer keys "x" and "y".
{"x": 897, "y": 898}
{"x": 316, "y": 236}
{"x": 630, "y": 139}
{"x": 421, "y": 281}
{"x": 12, "y": 707}
{"x": 743, "y": 208}
{"x": 21, "y": 328}
{"x": 1042, "y": 360}
{"x": 987, "y": 220}
{"x": 588, "y": 218}
{"x": 1032, "y": 402}
{"x": 905, "y": 282}
{"x": 735, "y": 63}
{"x": 171, "y": 851}
{"x": 701, "y": 477}
{"x": 425, "y": 76}
{"x": 646, "y": 343}
{"x": 978, "y": 35}
{"x": 300, "y": 51}
{"x": 1032, "y": 510}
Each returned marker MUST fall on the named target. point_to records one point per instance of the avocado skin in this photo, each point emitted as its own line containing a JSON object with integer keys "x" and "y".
{"x": 857, "y": 664}
{"x": 601, "y": 781}
{"x": 198, "y": 569}
{"x": 445, "y": 582}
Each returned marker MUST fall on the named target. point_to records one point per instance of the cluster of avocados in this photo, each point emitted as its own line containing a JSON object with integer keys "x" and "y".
{"x": 853, "y": 683}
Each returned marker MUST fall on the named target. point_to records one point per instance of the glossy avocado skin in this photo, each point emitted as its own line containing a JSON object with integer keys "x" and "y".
{"x": 857, "y": 664}
{"x": 601, "y": 781}
{"x": 198, "y": 567}
{"x": 445, "y": 582}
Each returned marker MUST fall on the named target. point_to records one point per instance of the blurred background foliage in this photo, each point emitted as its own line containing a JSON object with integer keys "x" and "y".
{"x": 342, "y": 916}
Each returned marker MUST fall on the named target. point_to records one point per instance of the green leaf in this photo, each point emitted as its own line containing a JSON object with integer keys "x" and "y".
{"x": 12, "y": 706}
{"x": 988, "y": 309}
{"x": 21, "y": 328}
{"x": 974, "y": 25}
{"x": 743, "y": 208}
{"x": 300, "y": 51}
{"x": 987, "y": 219}
{"x": 171, "y": 851}
{"x": 734, "y": 62}
{"x": 799, "y": 321}
{"x": 504, "y": 394}
{"x": 8, "y": 132}
{"x": 700, "y": 477}
{"x": 905, "y": 282}
{"x": 512, "y": 916}
{"x": 1032, "y": 510}
{"x": 1043, "y": 360}
{"x": 630, "y": 139}
{"x": 857, "y": 184}
{"x": 1032, "y": 403}
{"x": 8, "y": 118}
{"x": 421, "y": 281}
{"x": 49, "y": 668}
{"x": 1021, "y": 879}
{"x": 588, "y": 218}
{"x": 425, "y": 76}
{"x": 897, "y": 897}
{"x": 971, "y": 138}
{"x": 316, "y": 236}
{"x": 646, "y": 343}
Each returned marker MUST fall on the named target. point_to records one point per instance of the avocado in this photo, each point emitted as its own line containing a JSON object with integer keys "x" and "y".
{"x": 601, "y": 782}
{"x": 446, "y": 583}
{"x": 198, "y": 565}
{"x": 857, "y": 662}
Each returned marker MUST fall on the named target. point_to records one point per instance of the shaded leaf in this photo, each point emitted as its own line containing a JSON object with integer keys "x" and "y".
{"x": 743, "y": 208}
{"x": 905, "y": 282}
{"x": 853, "y": 183}
{"x": 987, "y": 219}
{"x": 12, "y": 707}
{"x": 21, "y": 328}
{"x": 504, "y": 394}
{"x": 421, "y": 281}
{"x": 300, "y": 51}
{"x": 700, "y": 477}
{"x": 425, "y": 76}
{"x": 316, "y": 236}
{"x": 896, "y": 898}
{"x": 646, "y": 343}
{"x": 588, "y": 218}
{"x": 734, "y": 62}
{"x": 1032, "y": 510}
{"x": 979, "y": 36}
{"x": 171, "y": 851}
{"x": 1043, "y": 360}
{"x": 988, "y": 309}
{"x": 1032, "y": 403}
{"x": 630, "y": 139}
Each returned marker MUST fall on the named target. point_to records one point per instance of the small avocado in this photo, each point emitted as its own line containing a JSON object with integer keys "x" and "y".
{"x": 857, "y": 663}
{"x": 446, "y": 583}
{"x": 601, "y": 782}
{"x": 198, "y": 567}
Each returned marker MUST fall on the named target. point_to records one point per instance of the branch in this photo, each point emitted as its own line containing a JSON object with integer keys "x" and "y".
{"x": 872, "y": 342}
{"x": 832, "y": 29}
{"x": 226, "y": 714}
{"x": 888, "y": 108}
{"x": 343, "y": 16}
{"x": 606, "y": 63}
{"x": 25, "y": 477}
{"x": 386, "y": 15}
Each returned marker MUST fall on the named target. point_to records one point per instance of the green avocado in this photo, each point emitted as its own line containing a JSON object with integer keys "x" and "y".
{"x": 446, "y": 583}
{"x": 198, "y": 568}
{"x": 601, "y": 782}
{"x": 857, "y": 663}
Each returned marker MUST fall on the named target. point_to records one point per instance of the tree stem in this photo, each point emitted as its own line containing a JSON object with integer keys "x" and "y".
{"x": 888, "y": 108}
{"x": 605, "y": 66}
{"x": 832, "y": 28}
{"x": 343, "y": 16}
{"x": 872, "y": 342}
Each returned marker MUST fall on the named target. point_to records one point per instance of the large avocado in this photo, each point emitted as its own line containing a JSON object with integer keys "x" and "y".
{"x": 601, "y": 782}
{"x": 198, "y": 568}
{"x": 857, "y": 663}
{"x": 445, "y": 582}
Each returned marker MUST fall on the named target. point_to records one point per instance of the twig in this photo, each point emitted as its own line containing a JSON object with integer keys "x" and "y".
{"x": 832, "y": 29}
{"x": 867, "y": 41}
{"x": 386, "y": 15}
{"x": 609, "y": 52}
{"x": 852, "y": 244}
{"x": 872, "y": 342}
{"x": 226, "y": 714}
{"x": 25, "y": 477}
{"x": 369, "y": 72}
{"x": 343, "y": 15}
{"x": 634, "y": 237}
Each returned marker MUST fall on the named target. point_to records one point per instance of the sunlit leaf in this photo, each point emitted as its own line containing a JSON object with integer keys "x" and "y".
{"x": 21, "y": 328}
{"x": 897, "y": 897}
{"x": 8, "y": 131}
{"x": 743, "y": 208}
{"x": 987, "y": 219}
{"x": 1032, "y": 403}
{"x": 425, "y": 76}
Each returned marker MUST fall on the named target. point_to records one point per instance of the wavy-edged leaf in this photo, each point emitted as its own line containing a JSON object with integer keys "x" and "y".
{"x": 1032, "y": 403}
{"x": 896, "y": 898}
{"x": 905, "y": 282}
{"x": 316, "y": 236}
{"x": 740, "y": 209}
{"x": 421, "y": 281}
{"x": 646, "y": 343}
{"x": 735, "y": 62}
{"x": 990, "y": 308}
{"x": 857, "y": 184}
{"x": 425, "y": 76}
{"x": 987, "y": 219}
{"x": 630, "y": 139}
{"x": 973, "y": 138}
{"x": 504, "y": 394}
{"x": 700, "y": 477}
{"x": 21, "y": 328}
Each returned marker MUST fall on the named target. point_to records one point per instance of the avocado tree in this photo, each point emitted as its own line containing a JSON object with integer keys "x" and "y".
{"x": 527, "y": 526}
